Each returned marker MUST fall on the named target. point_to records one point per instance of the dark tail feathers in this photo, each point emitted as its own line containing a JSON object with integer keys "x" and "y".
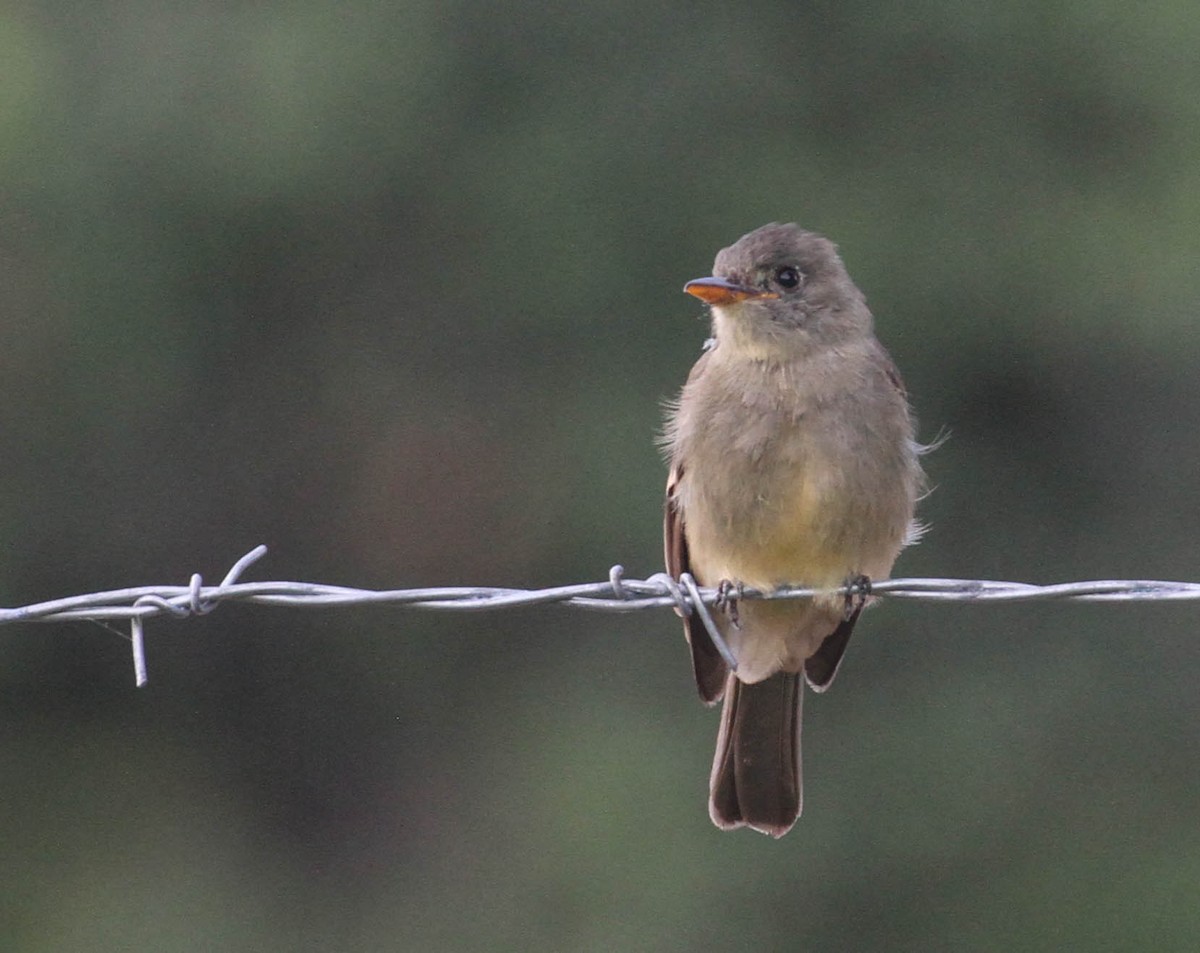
{"x": 756, "y": 772}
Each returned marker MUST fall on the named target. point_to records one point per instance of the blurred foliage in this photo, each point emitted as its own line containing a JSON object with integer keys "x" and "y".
{"x": 393, "y": 288}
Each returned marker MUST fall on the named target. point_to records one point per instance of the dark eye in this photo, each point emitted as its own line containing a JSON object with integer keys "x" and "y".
{"x": 787, "y": 277}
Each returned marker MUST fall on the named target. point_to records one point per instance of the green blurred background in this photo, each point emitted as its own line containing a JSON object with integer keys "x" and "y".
{"x": 395, "y": 289}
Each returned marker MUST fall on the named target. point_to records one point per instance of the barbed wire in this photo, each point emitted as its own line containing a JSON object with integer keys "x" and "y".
{"x": 616, "y": 594}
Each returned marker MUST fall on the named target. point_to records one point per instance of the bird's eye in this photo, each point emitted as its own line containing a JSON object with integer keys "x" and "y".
{"x": 787, "y": 277}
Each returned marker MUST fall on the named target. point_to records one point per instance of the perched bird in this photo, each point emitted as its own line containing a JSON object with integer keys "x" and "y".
{"x": 793, "y": 461}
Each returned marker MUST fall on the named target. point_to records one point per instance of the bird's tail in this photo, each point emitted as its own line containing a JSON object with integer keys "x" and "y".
{"x": 756, "y": 772}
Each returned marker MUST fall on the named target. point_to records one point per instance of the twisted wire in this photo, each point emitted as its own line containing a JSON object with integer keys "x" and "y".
{"x": 614, "y": 594}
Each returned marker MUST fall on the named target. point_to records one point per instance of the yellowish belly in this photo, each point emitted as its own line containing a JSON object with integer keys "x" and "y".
{"x": 800, "y": 534}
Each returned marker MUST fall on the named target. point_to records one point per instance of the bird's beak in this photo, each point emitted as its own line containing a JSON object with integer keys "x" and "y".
{"x": 719, "y": 292}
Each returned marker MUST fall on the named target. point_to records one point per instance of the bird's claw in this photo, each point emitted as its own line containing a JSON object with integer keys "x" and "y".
{"x": 728, "y": 594}
{"x": 858, "y": 590}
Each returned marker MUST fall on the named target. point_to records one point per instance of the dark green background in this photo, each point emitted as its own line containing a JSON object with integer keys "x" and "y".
{"x": 394, "y": 288}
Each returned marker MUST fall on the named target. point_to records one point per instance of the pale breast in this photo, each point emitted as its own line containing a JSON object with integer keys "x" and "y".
{"x": 787, "y": 481}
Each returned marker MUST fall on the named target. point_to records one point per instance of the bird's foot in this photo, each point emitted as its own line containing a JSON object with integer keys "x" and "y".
{"x": 728, "y": 594}
{"x": 858, "y": 590}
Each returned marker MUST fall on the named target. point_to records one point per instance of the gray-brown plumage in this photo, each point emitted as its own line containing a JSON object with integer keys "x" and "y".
{"x": 793, "y": 461}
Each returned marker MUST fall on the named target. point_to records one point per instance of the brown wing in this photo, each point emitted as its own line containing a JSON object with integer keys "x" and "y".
{"x": 893, "y": 375}
{"x": 822, "y": 665}
{"x": 710, "y": 669}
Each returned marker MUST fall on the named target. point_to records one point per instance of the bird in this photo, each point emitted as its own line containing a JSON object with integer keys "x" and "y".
{"x": 793, "y": 461}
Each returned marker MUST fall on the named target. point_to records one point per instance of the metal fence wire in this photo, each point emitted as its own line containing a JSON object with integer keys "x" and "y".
{"x": 615, "y": 594}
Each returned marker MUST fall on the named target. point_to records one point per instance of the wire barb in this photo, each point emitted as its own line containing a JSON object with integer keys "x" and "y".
{"x": 138, "y": 638}
{"x": 196, "y": 603}
{"x": 615, "y": 579}
{"x": 615, "y": 594}
{"x": 689, "y": 583}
